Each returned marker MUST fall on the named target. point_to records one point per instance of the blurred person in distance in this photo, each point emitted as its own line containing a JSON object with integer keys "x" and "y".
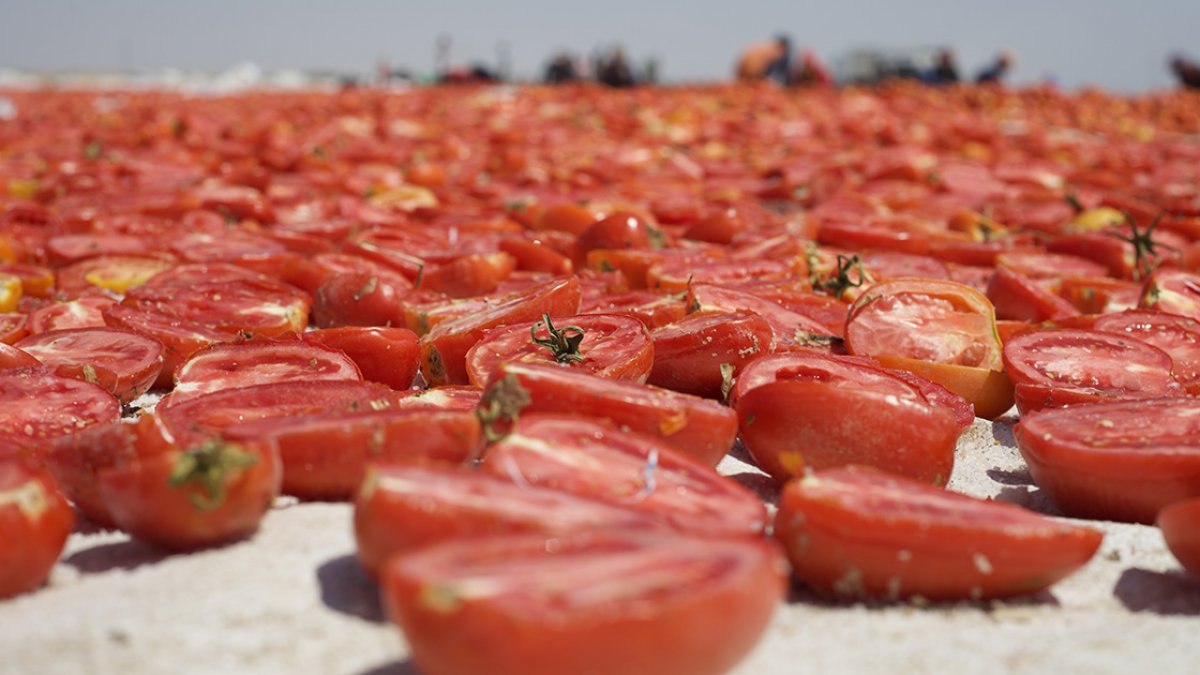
{"x": 561, "y": 69}
{"x": 810, "y": 71}
{"x": 1186, "y": 70}
{"x": 997, "y": 69}
{"x": 766, "y": 61}
{"x": 613, "y": 69}
{"x": 945, "y": 68}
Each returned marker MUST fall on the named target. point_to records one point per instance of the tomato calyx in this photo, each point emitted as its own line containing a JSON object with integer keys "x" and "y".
{"x": 502, "y": 402}
{"x": 848, "y": 274}
{"x": 1145, "y": 249}
{"x": 563, "y": 342}
{"x": 727, "y": 380}
{"x": 805, "y": 338}
{"x": 209, "y": 467}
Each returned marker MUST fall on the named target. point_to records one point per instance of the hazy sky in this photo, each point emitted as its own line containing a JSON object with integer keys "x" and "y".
{"x": 1118, "y": 44}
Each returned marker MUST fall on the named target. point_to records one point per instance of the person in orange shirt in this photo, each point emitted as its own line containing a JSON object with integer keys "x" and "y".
{"x": 766, "y": 61}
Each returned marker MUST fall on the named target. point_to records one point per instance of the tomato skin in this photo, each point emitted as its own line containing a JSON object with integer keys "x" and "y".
{"x": 620, "y": 229}
{"x": 231, "y": 366}
{"x": 1018, "y": 297}
{"x": 789, "y": 425}
{"x": 613, "y": 346}
{"x": 37, "y": 406}
{"x": 691, "y": 607}
{"x": 1172, "y": 290}
{"x": 325, "y": 455}
{"x": 470, "y": 275}
{"x": 1122, "y": 460}
{"x": 1178, "y": 336}
{"x": 84, "y": 312}
{"x": 590, "y": 458}
{"x": 35, "y": 521}
{"x": 180, "y": 338}
{"x": 360, "y": 299}
{"x": 142, "y": 500}
{"x": 122, "y": 362}
{"x": 402, "y": 508}
{"x": 1180, "y": 525}
{"x": 858, "y": 532}
{"x": 689, "y": 353}
{"x": 13, "y": 327}
{"x": 13, "y": 357}
{"x": 386, "y": 355}
{"x": 989, "y": 392}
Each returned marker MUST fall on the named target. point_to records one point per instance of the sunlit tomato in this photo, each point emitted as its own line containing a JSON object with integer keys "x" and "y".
{"x": 10, "y": 292}
{"x": 617, "y": 230}
{"x": 719, "y": 227}
{"x": 386, "y": 355}
{"x": 37, "y": 406}
{"x": 86, "y": 312}
{"x": 65, "y": 249}
{"x": 1173, "y": 291}
{"x": 469, "y": 275}
{"x": 183, "y": 497}
{"x": 460, "y": 398}
{"x": 11, "y": 357}
{"x": 1021, "y": 298}
{"x": 121, "y": 362}
{"x": 613, "y": 346}
{"x": 229, "y": 366}
{"x": 1180, "y": 525}
{"x": 116, "y": 274}
{"x": 360, "y": 299}
{"x": 13, "y": 327}
{"x": 788, "y": 425}
{"x": 595, "y": 460}
{"x": 1178, "y": 336}
{"x": 564, "y": 217}
{"x": 180, "y": 338}
{"x": 856, "y": 532}
{"x": 401, "y": 508}
{"x": 1052, "y": 368}
{"x": 35, "y": 521}
{"x": 1122, "y": 460}
{"x": 699, "y": 353}
{"x": 444, "y": 348}
{"x": 36, "y": 281}
{"x": 698, "y": 427}
{"x": 533, "y": 605}
{"x": 655, "y": 310}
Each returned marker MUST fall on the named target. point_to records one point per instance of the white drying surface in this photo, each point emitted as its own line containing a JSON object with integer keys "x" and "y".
{"x": 293, "y": 600}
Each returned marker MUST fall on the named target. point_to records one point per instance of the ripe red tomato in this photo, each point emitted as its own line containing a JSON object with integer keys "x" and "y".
{"x": 12, "y": 357}
{"x": 13, "y": 327}
{"x": 608, "y": 345}
{"x": 595, "y": 460}
{"x": 35, "y": 521}
{"x": 1180, "y": 525}
{"x": 360, "y": 299}
{"x": 602, "y": 602}
{"x": 86, "y": 312}
{"x": 1178, "y": 336}
{"x": 37, "y": 406}
{"x": 696, "y": 354}
{"x": 1121, "y": 460}
{"x": 857, "y": 532}
{"x": 229, "y": 366}
{"x": 386, "y": 355}
{"x": 121, "y": 362}
{"x": 402, "y": 508}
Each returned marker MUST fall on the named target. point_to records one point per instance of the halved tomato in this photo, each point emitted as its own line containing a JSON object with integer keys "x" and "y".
{"x": 696, "y": 354}
{"x": 1178, "y": 336}
{"x": 35, "y": 521}
{"x": 229, "y": 366}
{"x": 38, "y": 406}
{"x": 122, "y": 362}
{"x": 857, "y": 532}
{"x": 386, "y": 355}
{"x": 1180, "y": 525}
{"x": 605, "y": 602}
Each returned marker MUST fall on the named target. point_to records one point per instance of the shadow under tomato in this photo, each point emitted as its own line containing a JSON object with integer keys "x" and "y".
{"x": 1018, "y": 477}
{"x": 346, "y": 588}
{"x": 799, "y": 594}
{"x": 122, "y": 555}
{"x": 1002, "y": 431}
{"x": 404, "y": 667}
{"x": 761, "y": 485}
{"x": 1167, "y": 593}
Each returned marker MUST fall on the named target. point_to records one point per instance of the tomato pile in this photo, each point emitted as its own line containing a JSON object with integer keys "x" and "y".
{"x": 519, "y": 327}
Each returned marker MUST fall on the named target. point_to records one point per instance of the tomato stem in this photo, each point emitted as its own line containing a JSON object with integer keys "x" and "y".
{"x": 502, "y": 402}
{"x": 841, "y": 280}
{"x": 563, "y": 342}
{"x": 1145, "y": 249}
{"x": 209, "y": 467}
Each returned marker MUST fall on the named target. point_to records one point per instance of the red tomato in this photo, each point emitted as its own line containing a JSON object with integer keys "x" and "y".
{"x": 698, "y": 427}
{"x": 11, "y": 357}
{"x": 1052, "y": 368}
{"x": 617, "y": 230}
{"x": 35, "y": 521}
{"x": 1021, "y": 298}
{"x": 1173, "y": 291}
{"x": 469, "y": 275}
{"x": 36, "y": 281}
{"x": 1123, "y": 460}
{"x": 600, "y": 602}
{"x": 592, "y": 459}
{"x": 654, "y": 310}
{"x": 180, "y": 338}
{"x": 719, "y": 227}
{"x": 791, "y": 328}
{"x": 13, "y": 327}
{"x": 77, "y": 459}
{"x": 325, "y": 455}
{"x": 857, "y": 532}
{"x": 116, "y": 274}
{"x": 788, "y": 425}
{"x": 402, "y": 508}
{"x": 122, "y": 362}
{"x": 1178, "y": 336}
{"x": 444, "y": 349}
{"x": 386, "y": 355}
{"x": 37, "y": 406}
{"x": 86, "y": 312}
{"x": 230, "y": 366}
{"x": 461, "y": 398}
{"x": 564, "y": 217}
{"x": 360, "y": 299}
{"x": 696, "y": 354}
{"x": 1180, "y": 525}
{"x": 612, "y": 346}
{"x": 188, "y": 497}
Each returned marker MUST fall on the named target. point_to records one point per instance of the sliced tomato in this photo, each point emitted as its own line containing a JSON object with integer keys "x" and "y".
{"x": 1174, "y": 291}
{"x": 35, "y": 521}
{"x": 402, "y": 508}
{"x": 36, "y": 281}
{"x": 1052, "y": 368}
{"x": 696, "y": 354}
{"x": 386, "y": 355}
{"x": 791, "y": 328}
{"x": 12, "y": 357}
{"x": 608, "y": 345}
{"x": 861, "y": 533}
{"x": 595, "y": 460}
{"x": 112, "y": 273}
{"x": 601, "y": 602}
{"x": 85, "y": 312}
{"x": 1021, "y": 298}
{"x": 122, "y": 362}
{"x": 444, "y": 348}
{"x": 1180, "y": 526}
{"x": 325, "y": 455}
{"x": 989, "y": 393}
{"x": 698, "y": 427}
{"x": 1122, "y": 460}
{"x": 183, "y": 497}
{"x": 37, "y": 406}
{"x": 180, "y": 338}
{"x": 652, "y": 309}
{"x": 76, "y": 460}
{"x": 1178, "y": 336}
{"x": 13, "y": 327}
{"x": 462, "y": 398}
{"x": 230, "y": 366}
{"x": 470, "y": 275}
{"x": 788, "y": 425}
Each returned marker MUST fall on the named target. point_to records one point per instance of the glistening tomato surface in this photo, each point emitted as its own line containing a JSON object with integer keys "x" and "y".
{"x": 857, "y": 532}
{"x": 386, "y": 355}
{"x": 691, "y": 355}
{"x": 230, "y": 366}
{"x": 1180, "y": 525}
{"x": 1178, "y": 336}
{"x": 34, "y": 523}
{"x": 122, "y": 362}
{"x": 37, "y": 406}
{"x": 1121, "y": 461}
{"x": 596, "y": 603}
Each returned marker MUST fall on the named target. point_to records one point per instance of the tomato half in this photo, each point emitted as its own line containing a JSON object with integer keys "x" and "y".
{"x": 37, "y": 406}
{"x": 857, "y": 532}
{"x": 229, "y": 366}
{"x": 386, "y": 355}
{"x": 1180, "y": 525}
{"x": 696, "y": 354}
{"x": 1121, "y": 460}
{"x": 1178, "y": 336}
{"x": 35, "y": 521}
{"x": 605, "y": 602}
{"x": 123, "y": 363}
